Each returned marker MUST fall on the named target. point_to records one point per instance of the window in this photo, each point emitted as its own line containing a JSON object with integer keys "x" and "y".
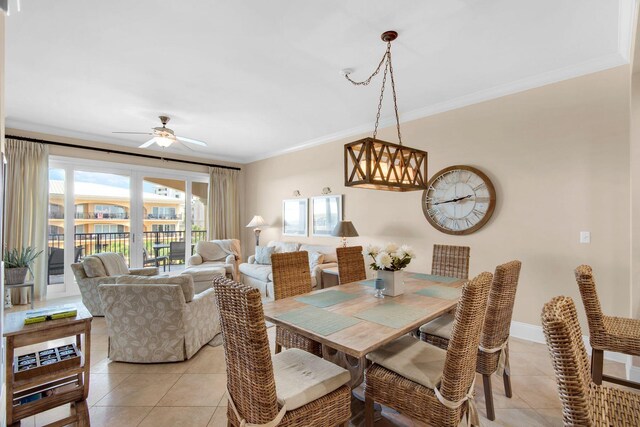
{"x": 110, "y": 211}
{"x": 79, "y": 229}
{"x": 163, "y": 212}
{"x": 108, "y": 228}
{"x": 164, "y": 227}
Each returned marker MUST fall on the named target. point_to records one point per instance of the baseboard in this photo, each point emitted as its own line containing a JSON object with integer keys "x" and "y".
{"x": 529, "y": 332}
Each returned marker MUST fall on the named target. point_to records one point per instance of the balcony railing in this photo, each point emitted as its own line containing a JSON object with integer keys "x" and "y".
{"x": 101, "y": 215}
{"x": 165, "y": 216}
{"x": 92, "y": 243}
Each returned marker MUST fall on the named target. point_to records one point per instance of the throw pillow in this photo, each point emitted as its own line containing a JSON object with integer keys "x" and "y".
{"x": 315, "y": 259}
{"x": 185, "y": 281}
{"x": 263, "y": 254}
{"x": 93, "y": 267}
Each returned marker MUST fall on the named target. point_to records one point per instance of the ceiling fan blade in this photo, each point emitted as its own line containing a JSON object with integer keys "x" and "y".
{"x": 135, "y": 133}
{"x": 148, "y": 143}
{"x": 184, "y": 145}
{"x": 192, "y": 141}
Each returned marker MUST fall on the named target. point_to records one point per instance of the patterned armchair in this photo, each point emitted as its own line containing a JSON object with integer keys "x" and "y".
{"x": 97, "y": 269}
{"x": 157, "y": 319}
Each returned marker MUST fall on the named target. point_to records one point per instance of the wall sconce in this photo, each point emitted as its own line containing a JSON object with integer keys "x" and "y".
{"x": 326, "y": 190}
{"x": 296, "y": 193}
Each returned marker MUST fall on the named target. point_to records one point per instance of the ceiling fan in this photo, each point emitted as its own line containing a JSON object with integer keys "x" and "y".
{"x": 164, "y": 137}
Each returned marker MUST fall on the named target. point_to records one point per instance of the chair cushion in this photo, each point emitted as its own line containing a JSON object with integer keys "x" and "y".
{"x": 114, "y": 263}
{"x": 93, "y": 267}
{"x": 257, "y": 271}
{"x": 185, "y": 282}
{"x": 263, "y": 254}
{"x": 413, "y": 359}
{"x": 202, "y": 273}
{"x": 302, "y": 377}
{"x": 210, "y": 251}
{"x": 440, "y": 327}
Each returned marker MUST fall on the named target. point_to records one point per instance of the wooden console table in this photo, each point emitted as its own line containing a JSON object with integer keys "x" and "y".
{"x": 66, "y": 385}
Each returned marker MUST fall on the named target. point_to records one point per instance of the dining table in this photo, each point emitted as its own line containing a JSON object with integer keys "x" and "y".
{"x": 350, "y": 322}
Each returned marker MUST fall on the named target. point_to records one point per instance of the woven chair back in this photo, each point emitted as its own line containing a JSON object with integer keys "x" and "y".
{"x": 451, "y": 261}
{"x": 460, "y": 363}
{"x": 502, "y": 296}
{"x": 250, "y": 378}
{"x": 570, "y": 360}
{"x": 291, "y": 274}
{"x": 351, "y": 264}
{"x": 587, "y": 285}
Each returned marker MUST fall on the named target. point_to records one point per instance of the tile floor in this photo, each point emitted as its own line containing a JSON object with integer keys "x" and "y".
{"x": 191, "y": 393}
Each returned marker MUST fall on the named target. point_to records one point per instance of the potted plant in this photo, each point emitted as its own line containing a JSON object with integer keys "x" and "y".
{"x": 389, "y": 263}
{"x": 17, "y": 262}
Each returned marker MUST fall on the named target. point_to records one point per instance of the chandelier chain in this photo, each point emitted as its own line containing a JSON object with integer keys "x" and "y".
{"x": 388, "y": 68}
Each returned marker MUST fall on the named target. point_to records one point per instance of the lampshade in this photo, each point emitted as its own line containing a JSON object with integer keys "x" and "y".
{"x": 257, "y": 221}
{"x": 163, "y": 141}
{"x": 344, "y": 229}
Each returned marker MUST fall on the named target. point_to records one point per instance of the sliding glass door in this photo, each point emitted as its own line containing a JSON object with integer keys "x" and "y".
{"x": 142, "y": 214}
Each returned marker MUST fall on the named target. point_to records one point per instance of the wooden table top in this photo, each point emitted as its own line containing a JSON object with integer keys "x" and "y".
{"x": 14, "y": 322}
{"x": 365, "y": 336}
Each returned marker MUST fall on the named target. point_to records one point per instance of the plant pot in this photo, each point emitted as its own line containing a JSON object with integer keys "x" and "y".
{"x": 393, "y": 282}
{"x": 14, "y": 276}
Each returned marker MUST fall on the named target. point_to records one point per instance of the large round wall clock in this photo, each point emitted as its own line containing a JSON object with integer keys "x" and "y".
{"x": 459, "y": 200}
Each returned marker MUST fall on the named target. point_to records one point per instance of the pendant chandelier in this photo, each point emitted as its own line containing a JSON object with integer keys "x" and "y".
{"x": 381, "y": 165}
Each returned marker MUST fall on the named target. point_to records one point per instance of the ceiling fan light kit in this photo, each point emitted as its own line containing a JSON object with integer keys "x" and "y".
{"x": 380, "y": 165}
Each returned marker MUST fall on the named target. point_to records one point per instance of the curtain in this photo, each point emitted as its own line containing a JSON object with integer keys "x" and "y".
{"x": 223, "y": 213}
{"x": 26, "y": 208}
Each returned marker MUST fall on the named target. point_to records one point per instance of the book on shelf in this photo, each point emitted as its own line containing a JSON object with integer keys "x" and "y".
{"x": 50, "y": 313}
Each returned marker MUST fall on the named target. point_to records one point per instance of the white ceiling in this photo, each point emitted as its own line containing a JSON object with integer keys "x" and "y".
{"x": 258, "y": 78}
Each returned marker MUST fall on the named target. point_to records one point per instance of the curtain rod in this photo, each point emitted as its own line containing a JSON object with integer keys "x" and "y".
{"x": 106, "y": 150}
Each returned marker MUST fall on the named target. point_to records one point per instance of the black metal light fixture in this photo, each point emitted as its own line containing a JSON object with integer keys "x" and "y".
{"x": 381, "y": 165}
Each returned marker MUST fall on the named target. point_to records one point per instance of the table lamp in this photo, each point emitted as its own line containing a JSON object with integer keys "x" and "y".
{"x": 344, "y": 229}
{"x": 256, "y": 222}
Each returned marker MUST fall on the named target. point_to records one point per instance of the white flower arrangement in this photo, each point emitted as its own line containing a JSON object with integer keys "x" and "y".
{"x": 389, "y": 258}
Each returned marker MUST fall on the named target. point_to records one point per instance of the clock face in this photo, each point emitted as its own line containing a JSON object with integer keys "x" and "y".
{"x": 458, "y": 200}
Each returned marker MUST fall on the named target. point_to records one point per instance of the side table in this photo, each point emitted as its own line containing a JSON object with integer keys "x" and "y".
{"x": 7, "y": 296}
{"x": 57, "y": 386}
{"x": 330, "y": 277}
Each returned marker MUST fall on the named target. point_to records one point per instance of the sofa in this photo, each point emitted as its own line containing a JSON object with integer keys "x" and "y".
{"x": 260, "y": 276}
{"x": 98, "y": 269}
{"x": 157, "y": 319}
{"x": 216, "y": 253}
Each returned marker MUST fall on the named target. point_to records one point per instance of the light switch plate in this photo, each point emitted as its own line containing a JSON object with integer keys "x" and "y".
{"x": 585, "y": 237}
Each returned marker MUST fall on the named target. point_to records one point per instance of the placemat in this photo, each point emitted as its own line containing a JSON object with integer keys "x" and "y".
{"x": 320, "y": 321}
{"x": 370, "y": 282}
{"x": 442, "y": 292}
{"x": 326, "y": 299}
{"x": 433, "y": 277}
{"x": 392, "y": 314}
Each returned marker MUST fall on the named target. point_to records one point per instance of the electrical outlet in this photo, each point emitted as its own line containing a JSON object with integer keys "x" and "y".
{"x": 585, "y": 237}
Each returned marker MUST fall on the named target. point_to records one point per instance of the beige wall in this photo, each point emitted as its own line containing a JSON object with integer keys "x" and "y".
{"x": 558, "y": 156}
{"x": 635, "y": 202}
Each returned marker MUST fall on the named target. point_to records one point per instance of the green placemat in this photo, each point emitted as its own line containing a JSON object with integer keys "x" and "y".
{"x": 433, "y": 277}
{"x": 442, "y": 292}
{"x": 326, "y": 299}
{"x": 320, "y": 321}
{"x": 370, "y": 282}
{"x": 392, "y": 314}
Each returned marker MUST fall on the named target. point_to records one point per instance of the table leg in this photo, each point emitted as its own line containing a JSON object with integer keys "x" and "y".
{"x": 8, "y": 365}
{"x": 33, "y": 289}
{"x": 356, "y": 368}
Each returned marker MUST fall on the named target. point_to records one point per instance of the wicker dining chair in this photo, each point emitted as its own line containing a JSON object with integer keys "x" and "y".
{"x": 584, "y": 403}
{"x": 446, "y": 395}
{"x": 351, "y": 264}
{"x": 252, "y": 375}
{"x": 450, "y": 261}
{"x": 606, "y": 333}
{"x": 291, "y": 277}
{"x": 493, "y": 352}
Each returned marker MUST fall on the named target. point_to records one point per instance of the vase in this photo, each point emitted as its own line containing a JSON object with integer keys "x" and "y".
{"x": 15, "y": 276}
{"x": 393, "y": 282}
